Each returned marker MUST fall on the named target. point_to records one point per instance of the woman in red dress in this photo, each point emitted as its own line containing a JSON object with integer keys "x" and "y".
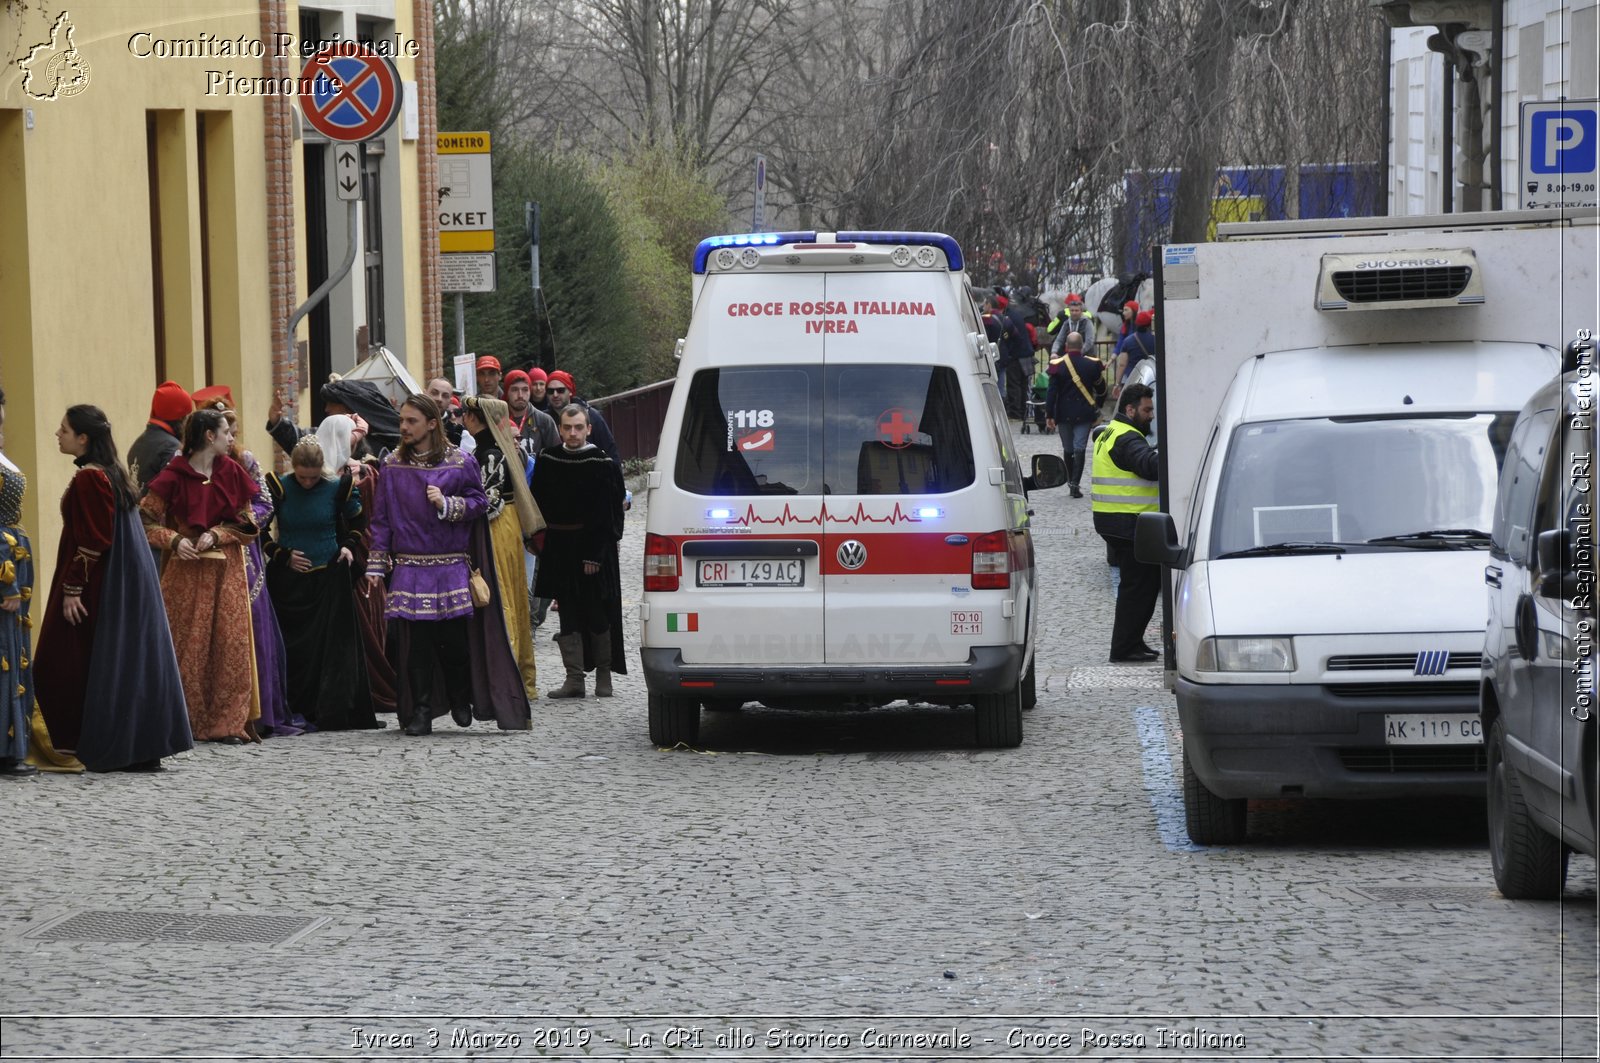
{"x": 199, "y": 510}
{"x": 105, "y": 674}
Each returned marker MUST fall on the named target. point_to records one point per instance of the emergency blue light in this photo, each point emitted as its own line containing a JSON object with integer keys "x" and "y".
{"x": 947, "y": 244}
{"x": 929, "y": 512}
{"x": 714, "y": 243}
{"x": 719, "y": 514}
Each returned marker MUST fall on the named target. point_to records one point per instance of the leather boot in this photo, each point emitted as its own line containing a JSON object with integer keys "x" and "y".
{"x": 421, "y": 720}
{"x": 572, "y": 657}
{"x": 1075, "y": 475}
{"x": 600, "y": 650}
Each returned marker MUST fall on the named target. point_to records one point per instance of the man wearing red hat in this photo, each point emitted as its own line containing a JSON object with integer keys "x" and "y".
{"x": 537, "y": 380}
{"x": 155, "y": 447}
{"x": 1136, "y": 346}
{"x": 488, "y": 367}
{"x": 534, "y": 429}
{"x": 1071, "y": 319}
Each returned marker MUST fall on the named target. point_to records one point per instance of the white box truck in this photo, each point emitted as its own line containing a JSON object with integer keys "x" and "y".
{"x": 1338, "y": 396}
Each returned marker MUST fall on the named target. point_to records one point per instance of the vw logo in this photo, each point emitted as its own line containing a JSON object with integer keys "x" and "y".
{"x": 852, "y": 555}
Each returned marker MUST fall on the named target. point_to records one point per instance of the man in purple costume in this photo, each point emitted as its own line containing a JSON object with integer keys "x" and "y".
{"x": 429, "y": 497}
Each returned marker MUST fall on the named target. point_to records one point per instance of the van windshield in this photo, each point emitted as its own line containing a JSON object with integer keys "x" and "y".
{"x": 1374, "y": 483}
{"x": 838, "y": 429}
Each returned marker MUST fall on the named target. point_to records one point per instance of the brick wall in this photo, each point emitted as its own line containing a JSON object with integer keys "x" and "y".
{"x": 280, "y": 210}
{"x": 428, "y": 189}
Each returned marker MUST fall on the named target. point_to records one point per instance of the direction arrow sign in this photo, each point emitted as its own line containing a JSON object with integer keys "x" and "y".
{"x": 355, "y": 92}
{"x": 347, "y": 175}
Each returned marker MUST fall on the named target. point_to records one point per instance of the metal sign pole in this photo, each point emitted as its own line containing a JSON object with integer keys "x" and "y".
{"x": 531, "y": 220}
{"x": 461, "y": 325}
{"x": 333, "y": 278}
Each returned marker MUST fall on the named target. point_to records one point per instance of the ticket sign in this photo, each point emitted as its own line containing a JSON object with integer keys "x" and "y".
{"x": 466, "y": 193}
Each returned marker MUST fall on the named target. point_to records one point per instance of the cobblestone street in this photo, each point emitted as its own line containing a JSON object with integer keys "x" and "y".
{"x": 820, "y": 875}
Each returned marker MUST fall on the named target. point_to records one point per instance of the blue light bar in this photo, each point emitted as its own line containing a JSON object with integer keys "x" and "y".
{"x": 947, "y": 244}
{"x": 716, "y": 243}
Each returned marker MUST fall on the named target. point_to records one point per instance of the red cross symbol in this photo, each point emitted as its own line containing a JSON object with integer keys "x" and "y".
{"x": 895, "y": 429}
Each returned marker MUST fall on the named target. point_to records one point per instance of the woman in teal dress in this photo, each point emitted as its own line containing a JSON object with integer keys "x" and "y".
{"x": 16, "y": 590}
{"x": 310, "y": 575}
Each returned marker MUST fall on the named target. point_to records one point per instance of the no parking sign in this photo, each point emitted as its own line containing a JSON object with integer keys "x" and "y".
{"x": 355, "y": 92}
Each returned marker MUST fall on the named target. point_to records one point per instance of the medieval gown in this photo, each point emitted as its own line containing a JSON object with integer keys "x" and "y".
{"x": 108, "y": 687}
{"x": 271, "y": 677}
{"x": 208, "y": 598}
{"x": 580, "y": 492}
{"x": 327, "y": 678}
{"x": 505, "y": 536}
{"x": 16, "y": 584}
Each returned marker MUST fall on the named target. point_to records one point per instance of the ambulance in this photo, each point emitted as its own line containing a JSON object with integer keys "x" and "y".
{"x": 837, "y": 517}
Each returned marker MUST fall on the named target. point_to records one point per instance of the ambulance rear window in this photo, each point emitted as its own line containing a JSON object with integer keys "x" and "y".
{"x": 752, "y": 431}
{"x": 841, "y": 429}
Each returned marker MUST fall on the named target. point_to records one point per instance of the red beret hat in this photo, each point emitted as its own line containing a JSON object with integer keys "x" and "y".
{"x": 489, "y": 361}
{"x": 1145, "y": 317}
{"x": 1074, "y": 299}
{"x": 565, "y": 378}
{"x": 170, "y": 402}
{"x": 514, "y": 377}
{"x": 211, "y": 395}
{"x": 537, "y": 374}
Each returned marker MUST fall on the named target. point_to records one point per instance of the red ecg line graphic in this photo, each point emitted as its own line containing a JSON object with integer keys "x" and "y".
{"x": 860, "y": 516}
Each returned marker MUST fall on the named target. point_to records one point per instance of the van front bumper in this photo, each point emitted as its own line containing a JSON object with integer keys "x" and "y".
{"x": 1286, "y": 740}
{"x": 987, "y": 670}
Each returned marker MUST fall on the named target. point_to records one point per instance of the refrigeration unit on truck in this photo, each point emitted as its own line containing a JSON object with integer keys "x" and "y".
{"x": 1338, "y": 403}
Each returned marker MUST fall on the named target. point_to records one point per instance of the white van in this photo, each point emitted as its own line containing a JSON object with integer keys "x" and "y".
{"x": 837, "y": 516}
{"x": 1338, "y": 406}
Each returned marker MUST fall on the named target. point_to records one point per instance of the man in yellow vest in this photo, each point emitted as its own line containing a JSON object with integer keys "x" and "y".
{"x": 1124, "y": 485}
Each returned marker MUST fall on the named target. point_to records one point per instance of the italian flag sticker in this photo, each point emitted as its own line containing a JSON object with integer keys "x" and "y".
{"x": 683, "y": 622}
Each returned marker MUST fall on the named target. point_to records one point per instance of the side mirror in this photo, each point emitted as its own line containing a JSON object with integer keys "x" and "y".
{"x": 1557, "y": 575}
{"x": 1049, "y": 470}
{"x": 1155, "y": 540}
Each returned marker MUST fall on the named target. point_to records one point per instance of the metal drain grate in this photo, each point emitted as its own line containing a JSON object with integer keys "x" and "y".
{"x": 923, "y": 754}
{"x": 1121, "y": 677}
{"x": 178, "y": 928}
{"x": 1445, "y": 894}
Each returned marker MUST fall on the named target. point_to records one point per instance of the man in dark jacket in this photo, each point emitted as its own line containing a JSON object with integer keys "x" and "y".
{"x": 561, "y": 391}
{"x": 157, "y": 444}
{"x": 1016, "y": 357}
{"x": 1126, "y": 467}
{"x": 1072, "y": 403}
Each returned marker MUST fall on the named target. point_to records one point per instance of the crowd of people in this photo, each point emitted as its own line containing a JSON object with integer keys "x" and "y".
{"x": 401, "y": 565}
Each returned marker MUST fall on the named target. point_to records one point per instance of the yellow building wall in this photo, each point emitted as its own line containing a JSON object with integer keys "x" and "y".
{"x": 77, "y": 322}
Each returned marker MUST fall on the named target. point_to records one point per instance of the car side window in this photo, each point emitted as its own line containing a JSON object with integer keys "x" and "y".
{"x": 1562, "y": 495}
{"x": 1511, "y": 538}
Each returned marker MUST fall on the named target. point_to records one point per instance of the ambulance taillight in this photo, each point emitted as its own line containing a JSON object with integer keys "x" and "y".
{"x": 660, "y": 563}
{"x": 991, "y": 562}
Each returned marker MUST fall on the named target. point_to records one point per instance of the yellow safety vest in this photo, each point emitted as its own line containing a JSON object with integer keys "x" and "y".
{"x": 1113, "y": 489}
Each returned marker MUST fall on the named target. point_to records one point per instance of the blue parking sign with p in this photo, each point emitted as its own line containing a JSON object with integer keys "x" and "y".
{"x": 1562, "y": 141}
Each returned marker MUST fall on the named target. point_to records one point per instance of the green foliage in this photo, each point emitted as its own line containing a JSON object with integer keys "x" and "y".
{"x": 664, "y": 207}
{"x": 584, "y": 323}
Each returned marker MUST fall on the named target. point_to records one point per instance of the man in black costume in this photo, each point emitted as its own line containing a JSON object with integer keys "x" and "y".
{"x": 579, "y": 490}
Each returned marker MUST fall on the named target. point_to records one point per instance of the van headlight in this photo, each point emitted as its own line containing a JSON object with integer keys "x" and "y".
{"x": 1245, "y": 655}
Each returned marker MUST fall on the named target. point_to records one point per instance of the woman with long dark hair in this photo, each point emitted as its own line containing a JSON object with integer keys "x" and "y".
{"x": 16, "y": 590}
{"x": 311, "y": 573}
{"x": 198, "y": 509}
{"x": 105, "y": 674}
{"x": 272, "y": 680}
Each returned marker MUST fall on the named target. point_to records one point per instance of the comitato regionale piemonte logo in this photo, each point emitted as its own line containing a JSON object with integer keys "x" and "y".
{"x": 55, "y": 69}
